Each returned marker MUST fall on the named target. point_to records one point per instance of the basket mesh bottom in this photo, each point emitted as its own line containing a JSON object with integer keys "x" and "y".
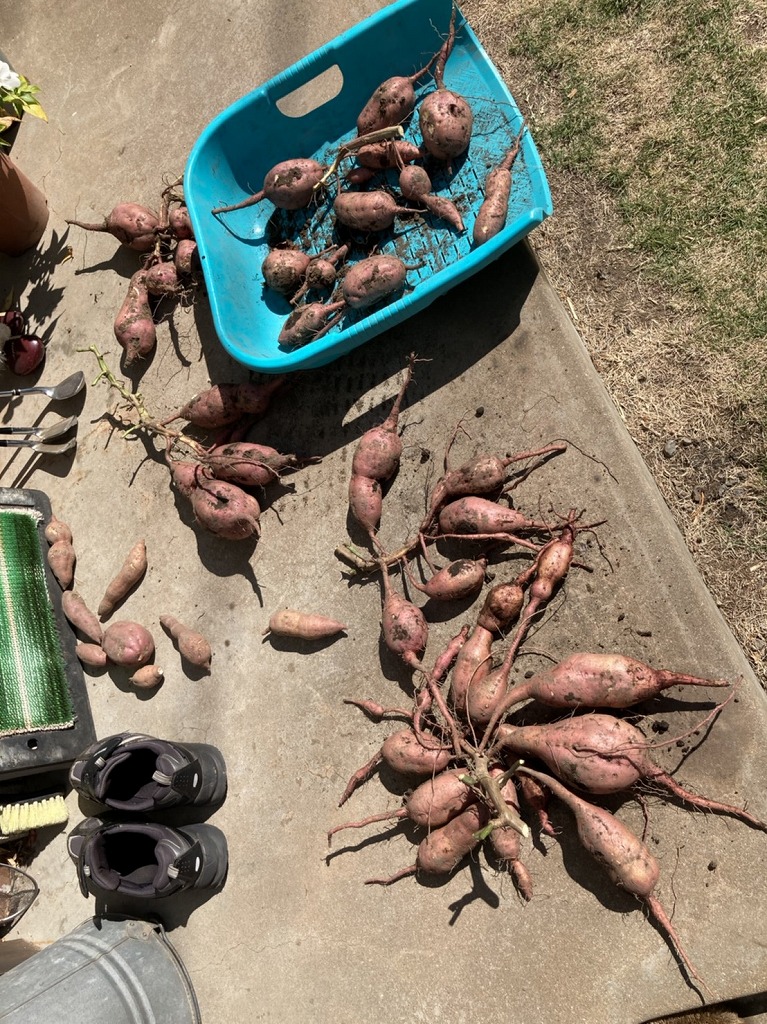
{"x": 34, "y": 694}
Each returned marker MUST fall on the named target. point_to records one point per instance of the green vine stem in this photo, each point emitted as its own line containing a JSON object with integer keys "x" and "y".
{"x": 136, "y": 401}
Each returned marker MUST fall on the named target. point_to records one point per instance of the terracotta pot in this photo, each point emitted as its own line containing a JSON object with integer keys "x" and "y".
{"x": 23, "y": 209}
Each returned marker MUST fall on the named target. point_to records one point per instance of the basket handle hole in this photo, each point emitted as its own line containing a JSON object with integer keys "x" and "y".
{"x": 312, "y": 94}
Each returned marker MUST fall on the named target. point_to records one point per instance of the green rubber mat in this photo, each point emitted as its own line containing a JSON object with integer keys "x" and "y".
{"x": 34, "y": 694}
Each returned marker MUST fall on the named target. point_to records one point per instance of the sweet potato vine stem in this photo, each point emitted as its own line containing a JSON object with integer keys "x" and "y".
{"x": 136, "y": 401}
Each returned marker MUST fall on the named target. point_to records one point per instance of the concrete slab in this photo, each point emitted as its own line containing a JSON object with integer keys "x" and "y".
{"x": 128, "y": 88}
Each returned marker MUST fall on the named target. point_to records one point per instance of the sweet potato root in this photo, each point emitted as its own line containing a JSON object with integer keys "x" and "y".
{"x": 222, "y": 404}
{"x": 226, "y": 510}
{"x": 415, "y": 184}
{"x": 131, "y": 573}
{"x": 61, "y": 558}
{"x": 289, "y": 185}
{"x": 391, "y": 102}
{"x": 481, "y": 516}
{"x": 130, "y": 223}
{"x": 147, "y": 677}
{"x": 92, "y": 655}
{"x": 56, "y": 530}
{"x": 373, "y": 279}
{"x": 492, "y": 213}
{"x": 134, "y": 327}
{"x": 81, "y": 617}
{"x": 368, "y": 211}
{"x": 162, "y": 279}
{"x": 303, "y": 625}
{"x": 180, "y": 223}
{"x": 186, "y": 258}
{"x": 283, "y": 270}
{"x": 249, "y": 464}
{"x": 309, "y": 322}
{"x": 192, "y": 646}
{"x": 127, "y": 643}
{"x": 454, "y": 582}
{"x": 444, "y": 116}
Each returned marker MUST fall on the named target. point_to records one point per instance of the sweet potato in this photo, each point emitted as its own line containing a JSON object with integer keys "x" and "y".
{"x": 134, "y": 327}
{"x": 162, "y": 279}
{"x": 289, "y": 185}
{"x": 536, "y": 798}
{"x": 92, "y": 654}
{"x": 81, "y": 617}
{"x": 444, "y": 848}
{"x": 365, "y": 502}
{"x": 622, "y": 854}
{"x": 602, "y": 754}
{"x": 249, "y": 464}
{"x": 186, "y": 258}
{"x": 501, "y": 607}
{"x": 491, "y": 216}
{"x": 406, "y": 752}
{"x": 180, "y": 223}
{"x": 61, "y": 558}
{"x": 368, "y": 211}
{"x": 455, "y": 581}
{"x": 226, "y": 510}
{"x": 373, "y": 279}
{"x": 283, "y": 270}
{"x": 404, "y": 627}
{"x": 130, "y": 223}
{"x": 321, "y": 273}
{"x": 391, "y": 102}
{"x": 56, "y": 530}
{"x": 303, "y": 625}
{"x": 131, "y": 573}
{"x": 602, "y": 681}
{"x": 429, "y": 805}
{"x": 378, "y": 156}
{"x": 471, "y": 666}
{"x": 192, "y": 646}
{"x": 127, "y": 643}
{"x": 185, "y": 474}
{"x": 309, "y": 322}
{"x": 482, "y": 516}
{"x": 444, "y": 116}
{"x": 222, "y": 404}
{"x": 415, "y": 184}
{"x": 378, "y": 451}
{"x": 507, "y": 843}
{"x": 147, "y": 677}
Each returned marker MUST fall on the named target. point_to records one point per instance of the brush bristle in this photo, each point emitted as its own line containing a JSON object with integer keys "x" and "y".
{"x": 18, "y": 818}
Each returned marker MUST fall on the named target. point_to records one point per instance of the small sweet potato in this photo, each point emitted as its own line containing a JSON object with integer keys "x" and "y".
{"x": 309, "y": 322}
{"x": 455, "y": 581}
{"x": 192, "y": 646}
{"x": 437, "y": 800}
{"x": 62, "y": 559}
{"x": 378, "y": 156}
{"x": 133, "y": 569}
{"x": 147, "y": 677}
{"x": 128, "y": 643}
{"x": 415, "y": 184}
{"x": 404, "y": 752}
{"x": 134, "y": 327}
{"x": 365, "y": 501}
{"x": 222, "y": 404}
{"x": 303, "y": 625}
{"x": 92, "y": 654}
{"x": 186, "y": 258}
{"x": 81, "y": 617}
{"x": 283, "y": 270}
{"x": 481, "y": 516}
{"x": 162, "y": 279}
{"x": 56, "y": 530}
{"x": 373, "y": 279}
{"x": 180, "y": 223}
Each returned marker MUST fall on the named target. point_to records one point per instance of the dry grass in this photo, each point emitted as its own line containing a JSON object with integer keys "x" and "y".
{"x": 651, "y": 120}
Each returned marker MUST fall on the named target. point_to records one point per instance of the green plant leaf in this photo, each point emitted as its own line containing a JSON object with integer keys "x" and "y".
{"x": 31, "y": 106}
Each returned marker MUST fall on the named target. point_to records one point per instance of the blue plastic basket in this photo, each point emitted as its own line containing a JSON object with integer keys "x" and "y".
{"x": 232, "y": 155}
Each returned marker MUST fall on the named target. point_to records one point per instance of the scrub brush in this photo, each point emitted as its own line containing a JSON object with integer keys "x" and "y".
{"x": 21, "y": 817}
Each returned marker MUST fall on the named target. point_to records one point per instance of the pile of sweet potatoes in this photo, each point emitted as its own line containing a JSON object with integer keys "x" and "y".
{"x": 484, "y": 756}
{"x": 169, "y": 266}
{"x": 378, "y": 184}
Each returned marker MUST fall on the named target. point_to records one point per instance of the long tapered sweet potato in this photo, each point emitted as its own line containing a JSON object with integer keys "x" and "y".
{"x": 131, "y": 573}
{"x": 303, "y": 625}
{"x": 81, "y": 617}
{"x": 249, "y": 464}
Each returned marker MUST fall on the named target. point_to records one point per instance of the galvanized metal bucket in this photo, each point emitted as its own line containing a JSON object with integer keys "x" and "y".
{"x": 122, "y": 971}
